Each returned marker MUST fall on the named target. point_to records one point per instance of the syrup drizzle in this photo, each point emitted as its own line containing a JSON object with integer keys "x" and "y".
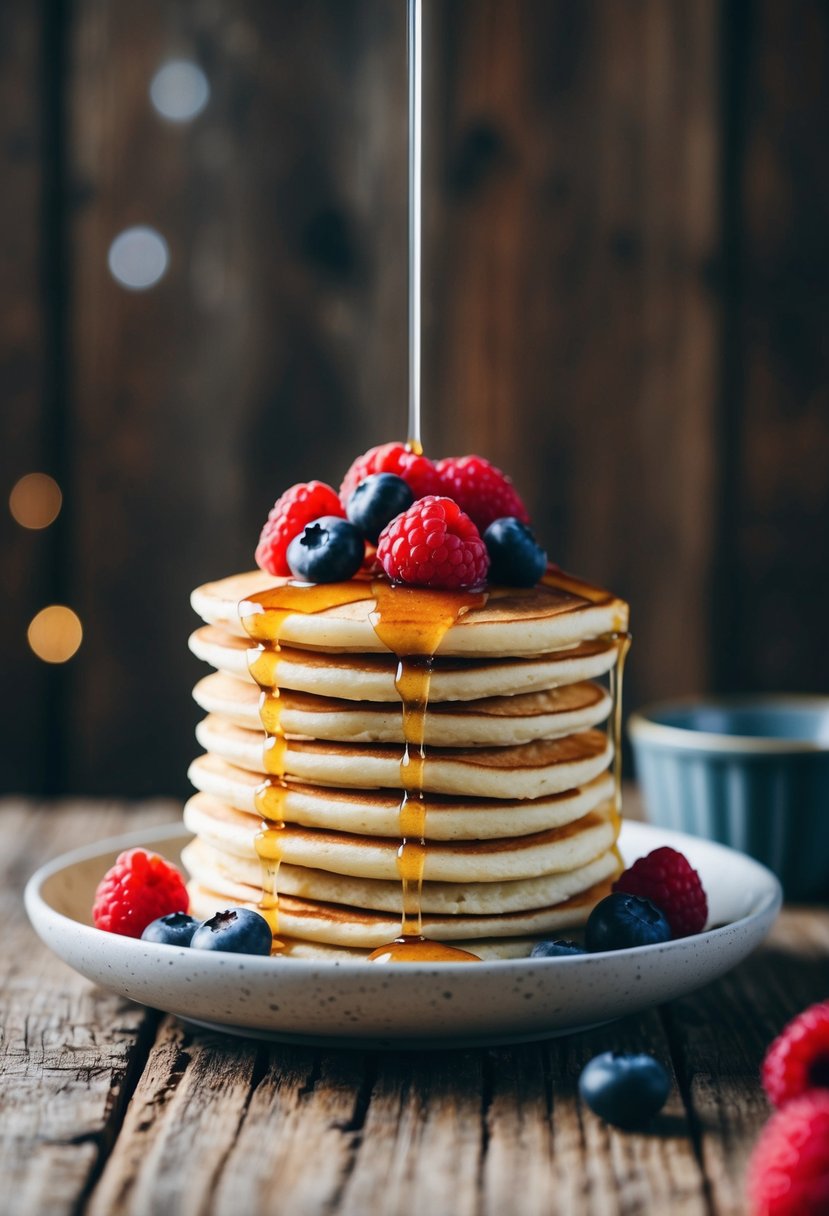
{"x": 412, "y": 622}
{"x": 614, "y": 725}
{"x": 263, "y": 616}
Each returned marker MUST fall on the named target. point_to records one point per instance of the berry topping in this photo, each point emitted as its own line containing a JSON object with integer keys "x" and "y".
{"x": 788, "y": 1174}
{"x": 433, "y": 544}
{"x": 484, "y": 492}
{"x": 290, "y": 513}
{"x": 139, "y": 888}
{"x": 329, "y": 550}
{"x": 798, "y": 1059}
{"x": 668, "y": 880}
{"x": 376, "y": 501}
{"x": 176, "y": 929}
{"x": 620, "y": 921}
{"x": 515, "y": 558}
{"x": 624, "y": 1088}
{"x": 560, "y": 948}
{"x": 237, "y": 931}
{"x": 417, "y": 471}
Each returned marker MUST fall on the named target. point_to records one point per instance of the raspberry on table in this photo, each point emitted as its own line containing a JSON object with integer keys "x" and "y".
{"x": 480, "y": 489}
{"x": 798, "y": 1059}
{"x": 418, "y": 472}
{"x": 298, "y": 506}
{"x": 668, "y": 880}
{"x": 137, "y": 890}
{"x": 433, "y": 544}
{"x": 788, "y": 1174}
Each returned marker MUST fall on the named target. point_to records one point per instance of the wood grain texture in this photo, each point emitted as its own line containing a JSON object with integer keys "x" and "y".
{"x": 578, "y": 334}
{"x": 776, "y": 518}
{"x": 107, "y": 1109}
{"x": 24, "y": 446}
{"x": 69, "y": 1052}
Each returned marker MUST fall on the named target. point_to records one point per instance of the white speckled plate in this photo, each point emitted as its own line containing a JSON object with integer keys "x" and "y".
{"x": 406, "y": 1005}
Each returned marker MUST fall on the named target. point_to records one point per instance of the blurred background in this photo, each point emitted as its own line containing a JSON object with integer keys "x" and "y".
{"x": 202, "y": 300}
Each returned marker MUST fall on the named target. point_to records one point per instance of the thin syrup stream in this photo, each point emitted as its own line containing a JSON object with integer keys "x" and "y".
{"x": 415, "y": 43}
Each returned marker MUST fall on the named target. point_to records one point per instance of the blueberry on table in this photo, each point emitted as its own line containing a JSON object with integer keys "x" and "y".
{"x": 175, "y": 929}
{"x": 516, "y": 559}
{"x": 624, "y": 1088}
{"x": 560, "y": 948}
{"x": 376, "y": 501}
{"x": 621, "y": 921}
{"x": 329, "y": 550}
{"x": 238, "y": 931}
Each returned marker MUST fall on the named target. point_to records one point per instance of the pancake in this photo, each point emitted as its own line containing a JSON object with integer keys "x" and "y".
{"x": 546, "y": 766}
{"x": 561, "y": 611}
{"x": 493, "y": 721}
{"x": 236, "y": 876}
{"x": 554, "y": 851}
{"x": 370, "y": 677}
{"x": 340, "y": 925}
{"x": 377, "y": 812}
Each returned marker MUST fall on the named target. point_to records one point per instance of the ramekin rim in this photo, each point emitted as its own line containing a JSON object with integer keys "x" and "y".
{"x": 642, "y": 727}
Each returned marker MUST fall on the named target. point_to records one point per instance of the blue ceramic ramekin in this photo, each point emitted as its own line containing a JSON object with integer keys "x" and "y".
{"x": 752, "y": 773}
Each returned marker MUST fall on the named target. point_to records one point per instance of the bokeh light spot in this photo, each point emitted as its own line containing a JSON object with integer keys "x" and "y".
{"x": 55, "y": 634}
{"x": 179, "y": 90}
{"x": 35, "y": 501}
{"x": 138, "y": 258}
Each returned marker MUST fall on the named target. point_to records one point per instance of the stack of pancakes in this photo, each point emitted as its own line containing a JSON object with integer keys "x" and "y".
{"x": 521, "y": 803}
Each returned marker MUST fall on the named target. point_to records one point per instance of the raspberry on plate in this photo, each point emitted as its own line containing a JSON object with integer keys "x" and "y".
{"x": 480, "y": 489}
{"x": 433, "y": 544}
{"x": 298, "y": 506}
{"x": 418, "y": 472}
{"x": 137, "y": 890}
{"x": 668, "y": 880}
{"x": 788, "y": 1174}
{"x": 798, "y": 1059}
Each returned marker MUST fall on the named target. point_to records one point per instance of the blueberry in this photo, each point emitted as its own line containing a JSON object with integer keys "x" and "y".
{"x": 376, "y": 501}
{"x": 622, "y": 920}
{"x": 515, "y": 557}
{"x": 239, "y": 931}
{"x": 329, "y": 550}
{"x": 624, "y": 1088}
{"x": 557, "y": 949}
{"x": 175, "y": 929}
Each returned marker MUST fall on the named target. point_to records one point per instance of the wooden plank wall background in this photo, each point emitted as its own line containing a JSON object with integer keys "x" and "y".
{"x": 627, "y": 307}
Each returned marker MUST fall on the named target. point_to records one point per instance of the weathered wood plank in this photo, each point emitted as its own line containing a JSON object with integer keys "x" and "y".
{"x": 24, "y": 445}
{"x": 68, "y": 1051}
{"x": 775, "y": 518}
{"x": 270, "y": 352}
{"x": 575, "y": 335}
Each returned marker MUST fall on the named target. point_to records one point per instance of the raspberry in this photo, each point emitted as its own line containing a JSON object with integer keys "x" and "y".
{"x": 139, "y": 888}
{"x": 418, "y": 472}
{"x": 798, "y": 1059}
{"x": 667, "y": 879}
{"x": 484, "y": 492}
{"x": 301, "y": 505}
{"x": 433, "y": 544}
{"x": 788, "y": 1174}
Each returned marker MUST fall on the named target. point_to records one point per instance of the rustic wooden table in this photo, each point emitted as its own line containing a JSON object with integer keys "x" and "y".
{"x": 111, "y": 1108}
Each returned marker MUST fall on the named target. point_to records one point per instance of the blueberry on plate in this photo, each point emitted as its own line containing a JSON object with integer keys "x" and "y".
{"x": 329, "y": 550}
{"x": 620, "y": 921}
{"x": 515, "y": 557}
{"x": 238, "y": 931}
{"x": 175, "y": 929}
{"x": 624, "y": 1088}
{"x": 560, "y": 948}
{"x": 376, "y": 501}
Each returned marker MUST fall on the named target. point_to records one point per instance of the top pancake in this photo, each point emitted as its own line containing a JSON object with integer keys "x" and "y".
{"x": 562, "y": 611}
